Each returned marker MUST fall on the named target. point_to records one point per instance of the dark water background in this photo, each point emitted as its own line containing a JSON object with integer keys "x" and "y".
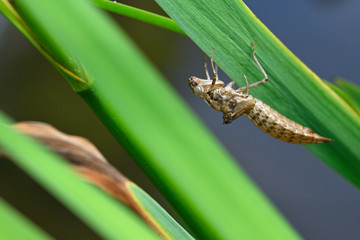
{"x": 325, "y": 35}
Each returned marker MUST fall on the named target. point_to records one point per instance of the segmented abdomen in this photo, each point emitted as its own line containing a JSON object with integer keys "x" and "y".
{"x": 279, "y": 126}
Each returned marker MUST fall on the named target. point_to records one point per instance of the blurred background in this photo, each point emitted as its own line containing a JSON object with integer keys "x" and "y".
{"x": 319, "y": 203}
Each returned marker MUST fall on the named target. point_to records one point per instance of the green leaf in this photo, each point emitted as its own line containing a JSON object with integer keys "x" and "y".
{"x": 66, "y": 61}
{"x": 294, "y": 90}
{"x": 85, "y": 159}
{"x": 215, "y": 198}
{"x": 14, "y": 226}
{"x": 352, "y": 91}
{"x": 8, "y": 11}
{"x": 139, "y": 14}
{"x": 157, "y": 214}
{"x": 95, "y": 208}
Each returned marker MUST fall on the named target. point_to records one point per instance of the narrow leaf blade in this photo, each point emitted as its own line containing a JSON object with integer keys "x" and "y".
{"x": 53, "y": 174}
{"x": 14, "y": 226}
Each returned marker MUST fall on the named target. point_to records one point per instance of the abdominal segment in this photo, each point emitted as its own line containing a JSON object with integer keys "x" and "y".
{"x": 280, "y": 127}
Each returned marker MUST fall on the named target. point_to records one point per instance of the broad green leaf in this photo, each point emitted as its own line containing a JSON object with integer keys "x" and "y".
{"x": 345, "y": 97}
{"x": 99, "y": 211}
{"x": 203, "y": 183}
{"x": 352, "y": 91}
{"x": 294, "y": 90}
{"x": 15, "y": 227}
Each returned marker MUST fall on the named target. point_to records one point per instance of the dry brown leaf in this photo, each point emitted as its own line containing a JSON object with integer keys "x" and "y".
{"x": 88, "y": 161}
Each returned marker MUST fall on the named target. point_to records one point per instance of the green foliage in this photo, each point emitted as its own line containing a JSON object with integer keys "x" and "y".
{"x": 55, "y": 175}
{"x": 352, "y": 93}
{"x": 229, "y": 27}
{"x": 214, "y": 197}
{"x": 139, "y": 14}
{"x": 157, "y": 214}
{"x": 191, "y": 168}
{"x": 15, "y": 227}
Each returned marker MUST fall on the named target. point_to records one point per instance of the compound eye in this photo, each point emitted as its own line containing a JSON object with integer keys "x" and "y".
{"x": 198, "y": 90}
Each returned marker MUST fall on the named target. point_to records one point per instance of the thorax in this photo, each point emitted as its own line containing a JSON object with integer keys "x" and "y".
{"x": 224, "y": 100}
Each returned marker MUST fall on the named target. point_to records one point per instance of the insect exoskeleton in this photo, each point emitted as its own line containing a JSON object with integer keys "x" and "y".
{"x": 201, "y": 86}
{"x": 234, "y": 103}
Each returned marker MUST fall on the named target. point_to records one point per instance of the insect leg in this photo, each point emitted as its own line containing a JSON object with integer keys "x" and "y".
{"x": 230, "y": 84}
{"x": 205, "y": 68}
{"x": 247, "y": 85}
{"x": 259, "y": 65}
{"x": 242, "y": 89}
{"x": 215, "y": 76}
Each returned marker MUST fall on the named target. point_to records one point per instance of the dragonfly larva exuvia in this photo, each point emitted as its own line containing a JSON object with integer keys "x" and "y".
{"x": 234, "y": 103}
